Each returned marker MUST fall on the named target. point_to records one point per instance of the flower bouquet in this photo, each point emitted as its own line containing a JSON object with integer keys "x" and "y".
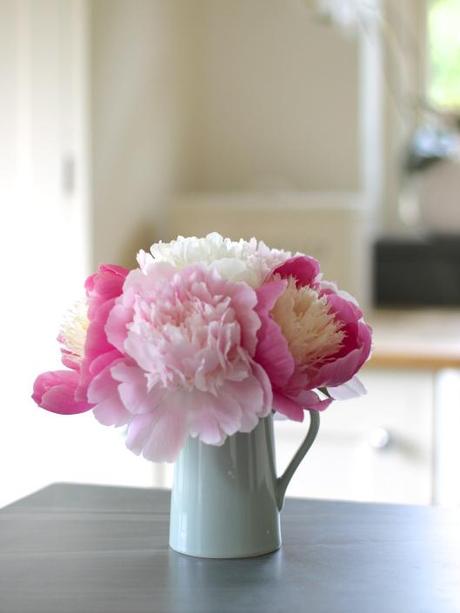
{"x": 202, "y": 343}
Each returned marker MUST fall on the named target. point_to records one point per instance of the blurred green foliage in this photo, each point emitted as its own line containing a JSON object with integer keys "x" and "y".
{"x": 444, "y": 53}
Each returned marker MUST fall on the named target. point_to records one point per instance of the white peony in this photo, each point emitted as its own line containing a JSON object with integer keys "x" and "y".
{"x": 249, "y": 261}
{"x": 72, "y": 334}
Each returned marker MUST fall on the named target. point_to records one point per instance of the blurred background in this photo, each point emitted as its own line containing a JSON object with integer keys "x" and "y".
{"x": 326, "y": 126}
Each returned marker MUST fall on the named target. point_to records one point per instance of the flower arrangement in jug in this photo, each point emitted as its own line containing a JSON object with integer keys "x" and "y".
{"x": 204, "y": 338}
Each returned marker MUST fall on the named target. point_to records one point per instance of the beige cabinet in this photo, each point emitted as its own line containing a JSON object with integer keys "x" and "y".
{"x": 376, "y": 448}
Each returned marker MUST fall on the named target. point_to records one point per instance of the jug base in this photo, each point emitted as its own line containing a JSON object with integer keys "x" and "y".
{"x": 256, "y": 554}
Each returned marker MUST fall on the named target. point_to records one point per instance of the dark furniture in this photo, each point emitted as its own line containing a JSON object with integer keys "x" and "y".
{"x": 76, "y": 548}
{"x": 417, "y": 272}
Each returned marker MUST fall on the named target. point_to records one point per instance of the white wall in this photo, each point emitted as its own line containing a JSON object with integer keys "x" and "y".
{"x": 218, "y": 96}
{"x": 138, "y": 119}
{"x": 213, "y": 95}
{"x": 43, "y": 248}
{"x": 405, "y": 68}
{"x": 276, "y": 99}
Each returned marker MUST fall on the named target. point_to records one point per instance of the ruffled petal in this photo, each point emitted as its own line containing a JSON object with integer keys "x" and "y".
{"x": 117, "y": 323}
{"x": 288, "y": 407}
{"x": 303, "y": 268}
{"x": 55, "y": 392}
{"x": 133, "y": 389}
{"x": 111, "y": 411}
{"x": 160, "y": 434}
{"x": 138, "y": 432}
{"x": 294, "y": 408}
{"x": 343, "y": 368}
{"x": 103, "y": 393}
{"x": 102, "y": 385}
{"x": 272, "y": 351}
{"x": 212, "y": 418}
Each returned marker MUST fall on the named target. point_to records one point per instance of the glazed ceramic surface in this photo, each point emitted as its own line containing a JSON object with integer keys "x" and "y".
{"x": 226, "y": 500}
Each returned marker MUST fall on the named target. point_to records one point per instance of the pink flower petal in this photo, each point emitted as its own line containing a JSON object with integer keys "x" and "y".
{"x": 212, "y": 418}
{"x": 267, "y": 391}
{"x": 272, "y": 350}
{"x": 161, "y": 434}
{"x": 103, "y": 393}
{"x": 106, "y": 283}
{"x": 139, "y": 429}
{"x": 343, "y": 368}
{"x": 103, "y": 360}
{"x": 311, "y": 401}
{"x": 295, "y": 408}
{"x": 303, "y": 268}
{"x": 133, "y": 389}
{"x": 289, "y": 408}
{"x": 101, "y": 386}
{"x": 55, "y": 392}
{"x": 116, "y": 326}
{"x": 111, "y": 411}
{"x": 249, "y": 394}
{"x": 351, "y": 389}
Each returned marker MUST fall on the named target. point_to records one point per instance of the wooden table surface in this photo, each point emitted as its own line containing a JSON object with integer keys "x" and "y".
{"x": 93, "y": 549}
{"x": 415, "y": 338}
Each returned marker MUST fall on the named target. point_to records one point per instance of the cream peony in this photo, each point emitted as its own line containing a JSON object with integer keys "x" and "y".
{"x": 249, "y": 261}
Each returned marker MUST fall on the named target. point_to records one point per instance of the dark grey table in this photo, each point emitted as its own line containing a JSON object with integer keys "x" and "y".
{"x": 77, "y": 548}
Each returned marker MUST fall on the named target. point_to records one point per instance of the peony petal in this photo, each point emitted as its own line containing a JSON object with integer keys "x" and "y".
{"x": 202, "y": 421}
{"x": 116, "y": 326}
{"x": 49, "y": 379}
{"x": 139, "y": 429}
{"x": 61, "y": 399}
{"x": 345, "y": 367}
{"x": 228, "y": 413}
{"x": 351, "y": 389}
{"x": 244, "y": 299}
{"x": 268, "y": 294}
{"x": 103, "y": 360}
{"x": 288, "y": 407}
{"x": 295, "y": 408}
{"x": 211, "y": 418}
{"x": 91, "y": 368}
{"x": 111, "y": 411}
{"x": 133, "y": 389}
{"x": 303, "y": 268}
{"x": 273, "y": 354}
{"x": 168, "y": 432}
{"x": 107, "y": 282}
{"x": 272, "y": 351}
{"x": 249, "y": 395}
{"x": 310, "y": 400}
{"x": 102, "y": 386}
{"x": 55, "y": 392}
{"x": 266, "y": 386}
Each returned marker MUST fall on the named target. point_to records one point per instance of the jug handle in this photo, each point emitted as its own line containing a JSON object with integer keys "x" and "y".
{"x": 283, "y": 481}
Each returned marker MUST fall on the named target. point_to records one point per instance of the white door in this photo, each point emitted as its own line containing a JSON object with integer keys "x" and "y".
{"x": 44, "y": 243}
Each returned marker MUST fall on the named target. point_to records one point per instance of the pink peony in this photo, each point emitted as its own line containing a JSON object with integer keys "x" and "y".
{"x": 191, "y": 337}
{"x": 86, "y": 352}
{"x": 312, "y": 336}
